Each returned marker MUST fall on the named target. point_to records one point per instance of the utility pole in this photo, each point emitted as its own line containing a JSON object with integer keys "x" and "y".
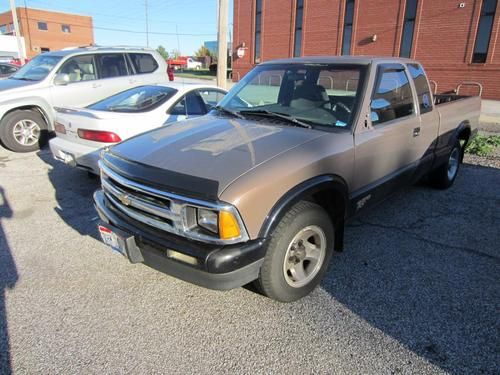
{"x": 147, "y": 22}
{"x": 16, "y": 30}
{"x": 222, "y": 44}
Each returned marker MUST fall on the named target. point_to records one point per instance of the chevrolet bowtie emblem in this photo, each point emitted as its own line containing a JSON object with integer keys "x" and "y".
{"x": 125, "y": 199}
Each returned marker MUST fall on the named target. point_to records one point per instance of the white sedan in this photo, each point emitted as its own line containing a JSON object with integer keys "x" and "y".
{"x": 82, "y": 132}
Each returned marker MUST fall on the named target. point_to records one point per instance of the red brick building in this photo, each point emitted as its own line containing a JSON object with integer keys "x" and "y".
{"x": 45, "y": 31}
{"x": 456, "y": 40}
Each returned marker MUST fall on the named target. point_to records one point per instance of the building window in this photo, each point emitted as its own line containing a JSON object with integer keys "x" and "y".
{"x": 299, "y": 14}
{"x": 44, "y": 49}
{"x": 42, "y": 26}
{"x": 484, "y": 31}
{"x": 66, "y": 29}
{"x": 348, "y": 19}
{"x": 408, "y": 27}
{"x": 258, "y": 28}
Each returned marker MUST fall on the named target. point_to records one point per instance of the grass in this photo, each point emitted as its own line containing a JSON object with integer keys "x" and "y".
{"x": 193, "y": 73}
{"x": 483, "y": 145}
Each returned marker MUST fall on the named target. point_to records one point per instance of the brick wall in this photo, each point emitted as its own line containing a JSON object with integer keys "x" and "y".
{"x": 54, "y": 38}
{"x": 443, "y": 38}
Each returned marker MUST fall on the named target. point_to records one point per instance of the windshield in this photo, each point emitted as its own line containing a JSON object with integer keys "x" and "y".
{"x": 317, "y": 94}
{"x": 138, "y": 99}
{"x": 38, "y": 68}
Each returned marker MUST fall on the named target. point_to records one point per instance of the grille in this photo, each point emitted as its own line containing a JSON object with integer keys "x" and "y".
{"x": 140, "y": 202}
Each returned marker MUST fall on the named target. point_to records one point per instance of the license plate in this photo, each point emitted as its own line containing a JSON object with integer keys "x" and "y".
{"x": 111, "y": 239}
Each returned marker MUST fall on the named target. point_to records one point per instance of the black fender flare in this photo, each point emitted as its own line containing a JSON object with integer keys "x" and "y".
{"x": 464, "y": 126}
{"x": 307, "y": 189}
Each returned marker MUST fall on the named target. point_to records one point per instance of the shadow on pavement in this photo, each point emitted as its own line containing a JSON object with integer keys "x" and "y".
{"x": 8, "y": 279}
{"x": 424, "y": 270}
{"x": 73, "y": 192}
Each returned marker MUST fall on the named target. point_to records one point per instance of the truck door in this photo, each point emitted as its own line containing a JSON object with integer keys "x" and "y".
{"x": 426, "y": 134}
{"x": 383, "y": 155}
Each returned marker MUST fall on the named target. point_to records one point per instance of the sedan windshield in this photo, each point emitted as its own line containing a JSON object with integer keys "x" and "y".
{"x": 138, "y": 99}
{"x": 323, "y": 95}
{"x": 38, "y": 68}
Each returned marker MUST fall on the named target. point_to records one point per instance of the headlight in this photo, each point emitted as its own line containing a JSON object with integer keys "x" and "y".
{"x": 208, "y": 220}
{"x": 222, "y": 224}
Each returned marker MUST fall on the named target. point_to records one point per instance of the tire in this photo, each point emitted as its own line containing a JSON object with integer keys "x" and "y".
{"x": 444, "y": 176}
{"x": 23, "y": 131}
{"x": 287, "y": 274}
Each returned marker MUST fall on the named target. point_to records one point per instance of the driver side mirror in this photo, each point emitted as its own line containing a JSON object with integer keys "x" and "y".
{"x": 61, "y": 79}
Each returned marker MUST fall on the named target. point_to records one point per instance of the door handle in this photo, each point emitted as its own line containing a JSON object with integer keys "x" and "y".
{"x": 416, "y": 132}
{"x": 96, "y": 85}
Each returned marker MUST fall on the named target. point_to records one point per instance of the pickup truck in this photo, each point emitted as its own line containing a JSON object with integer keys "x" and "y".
{"x": 259, "y": 190}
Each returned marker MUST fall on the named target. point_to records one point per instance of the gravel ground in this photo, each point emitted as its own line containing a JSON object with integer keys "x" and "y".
{"x": 416, "y": 291}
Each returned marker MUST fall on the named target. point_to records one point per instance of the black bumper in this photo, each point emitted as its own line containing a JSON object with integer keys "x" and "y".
{"x": 218, "y": 267}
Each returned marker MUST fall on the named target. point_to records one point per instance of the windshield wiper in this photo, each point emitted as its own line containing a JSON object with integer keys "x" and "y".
{"x": 265, "y": 112}
{"x": 23, "y": 78}
{"x": 228, "y": 111}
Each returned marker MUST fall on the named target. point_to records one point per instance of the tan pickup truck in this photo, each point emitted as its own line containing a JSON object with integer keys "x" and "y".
{"x": 261, "y": 187}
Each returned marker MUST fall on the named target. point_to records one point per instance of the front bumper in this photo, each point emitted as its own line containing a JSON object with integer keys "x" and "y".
{"x": 75, "y": 154}
{"x": 218, "y": 267}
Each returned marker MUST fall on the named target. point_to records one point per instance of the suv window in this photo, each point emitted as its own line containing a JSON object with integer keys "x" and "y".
{"x": 79, "y": 68}
{"x": 190, "y": 104}
{"x": 422, "y": 87}
{"x": 143, "y": 62}
{"x": 112, "y": 65}
{"x": 211, "y": 97}
{"x": 392, "y": 98}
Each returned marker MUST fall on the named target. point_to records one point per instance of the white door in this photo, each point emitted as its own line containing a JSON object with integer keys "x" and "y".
{"x": 82, "y": 87}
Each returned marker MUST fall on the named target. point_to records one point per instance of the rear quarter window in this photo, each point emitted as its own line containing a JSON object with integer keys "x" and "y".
{"x": 143, "y": 63}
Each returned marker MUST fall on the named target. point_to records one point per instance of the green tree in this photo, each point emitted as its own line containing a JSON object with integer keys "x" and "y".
{"x": 202, "y": 52}
{"x": 175, "y": 53}
{"x": 163, "y": 52}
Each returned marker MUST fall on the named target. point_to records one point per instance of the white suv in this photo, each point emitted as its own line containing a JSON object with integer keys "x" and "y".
{"x": 72, "y": 77}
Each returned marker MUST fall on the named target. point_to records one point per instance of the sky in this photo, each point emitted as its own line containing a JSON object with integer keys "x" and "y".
{"x": 175, "y": 24}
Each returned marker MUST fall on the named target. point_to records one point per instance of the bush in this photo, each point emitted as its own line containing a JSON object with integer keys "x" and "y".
{"x": 483, "y": 145}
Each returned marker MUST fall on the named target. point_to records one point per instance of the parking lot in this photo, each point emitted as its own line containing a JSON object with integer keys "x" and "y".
{"x": 416, "y": 291}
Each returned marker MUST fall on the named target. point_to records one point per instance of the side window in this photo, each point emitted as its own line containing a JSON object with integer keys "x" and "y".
{"x": 143, "y": 62}
{"x": 392, "y": 98}
{"x": 80, "y": 68}
{"x": 422, "y": 87}
{"x": 191, "y": 104}
{"x": 211, "y": 97}
{"x": 111, "y": 65}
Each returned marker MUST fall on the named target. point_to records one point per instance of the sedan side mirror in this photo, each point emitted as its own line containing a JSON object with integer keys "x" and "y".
{"x": 61, "y": 79}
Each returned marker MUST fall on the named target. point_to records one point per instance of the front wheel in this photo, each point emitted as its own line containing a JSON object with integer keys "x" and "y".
{"x": 23, "y": 131}
{"x": 298, "y": 253}
{"x": 444, "y": 176}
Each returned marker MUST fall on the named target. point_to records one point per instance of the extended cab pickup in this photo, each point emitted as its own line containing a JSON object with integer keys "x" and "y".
{"x": 260, "y": 188}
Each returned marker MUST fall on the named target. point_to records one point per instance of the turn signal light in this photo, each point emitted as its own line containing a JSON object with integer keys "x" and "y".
{"x": 228, "y": 226}
{"x": 99, "y": 136}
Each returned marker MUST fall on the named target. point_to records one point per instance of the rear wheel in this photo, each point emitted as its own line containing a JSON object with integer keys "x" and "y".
{"x": 298, "y": 253}
{"x": 444, "y": 176}
{"x": 23, "y": 131}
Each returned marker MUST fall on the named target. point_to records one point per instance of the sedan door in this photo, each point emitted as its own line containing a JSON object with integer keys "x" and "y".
{"x": 188, "y": 106}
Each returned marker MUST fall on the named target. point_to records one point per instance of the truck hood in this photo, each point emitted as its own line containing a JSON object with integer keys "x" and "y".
{"x": 10, "y": 83}
{"x": 213, "y": 148}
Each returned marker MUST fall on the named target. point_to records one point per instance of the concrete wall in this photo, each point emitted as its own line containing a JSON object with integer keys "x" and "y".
{"x": 443, "y": 38}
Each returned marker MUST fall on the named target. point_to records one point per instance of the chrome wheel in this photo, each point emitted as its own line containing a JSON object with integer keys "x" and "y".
{"x": 305, "y": 256}
{"x": 26, "y": 132}
{"x": 453, "y": 163}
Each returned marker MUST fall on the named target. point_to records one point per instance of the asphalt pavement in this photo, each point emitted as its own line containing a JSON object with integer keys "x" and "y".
{"x": 416, "y": 291}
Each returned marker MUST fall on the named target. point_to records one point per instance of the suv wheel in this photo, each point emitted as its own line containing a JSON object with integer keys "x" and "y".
{"x": 444, "y": 176}
{"x": 23, "y": 131}
{"x": 298, "y": 253}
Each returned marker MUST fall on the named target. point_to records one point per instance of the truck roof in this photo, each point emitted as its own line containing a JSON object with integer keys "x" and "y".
{"x": 362, "y": 60}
